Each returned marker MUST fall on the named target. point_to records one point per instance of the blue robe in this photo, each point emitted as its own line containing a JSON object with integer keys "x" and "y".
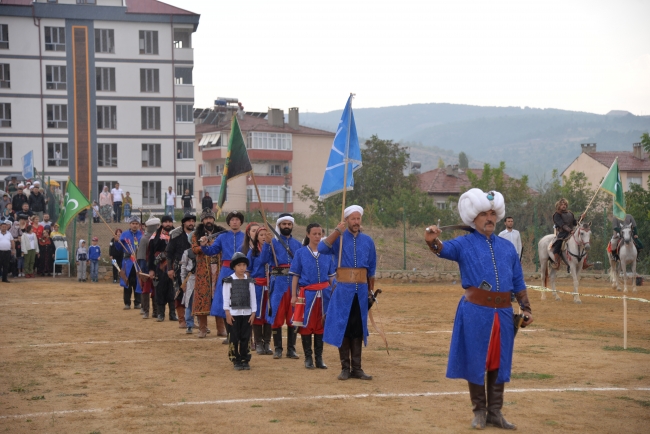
{"x": 358, "y": 252}
{"x": 279, "y": 284}
{"x": 227, "y": 243}
{"x": 495, "y": 261}
{"x": 127, "y": 264}
{"x": 313, "y": 269}
{"x": 257, "y": 269}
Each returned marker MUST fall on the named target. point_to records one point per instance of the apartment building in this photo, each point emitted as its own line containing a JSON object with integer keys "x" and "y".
{"x": 101, "y": 91}
{"x": 285, "y": 156}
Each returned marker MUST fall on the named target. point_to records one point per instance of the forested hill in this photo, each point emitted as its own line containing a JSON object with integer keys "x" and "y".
{"x": 532, "y": 141}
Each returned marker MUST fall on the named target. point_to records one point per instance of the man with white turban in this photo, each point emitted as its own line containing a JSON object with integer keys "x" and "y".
{"x": 483, "y": 335}
{"x": 346, "y": 326}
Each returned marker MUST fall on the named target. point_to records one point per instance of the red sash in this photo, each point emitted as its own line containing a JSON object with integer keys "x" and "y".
{"x": 261, "y": 281}
{"x": 225, "y": 263}
{"x": 315, "y": 286}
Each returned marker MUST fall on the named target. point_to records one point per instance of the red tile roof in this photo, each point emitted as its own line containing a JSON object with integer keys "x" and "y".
{"x": 154, "y": 7}
{"x": 17, "y": 2}
{"x": 437, "y": 181}
{"x": 253, "y": 123}
{"x": 626, "y": 160}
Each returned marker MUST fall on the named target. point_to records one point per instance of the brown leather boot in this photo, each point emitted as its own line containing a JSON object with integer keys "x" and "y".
{"x": 266, "y": 337}
{"x": 203, "y": 326}
{"x": 477, "y": 395}
{"x": 556, "y": 261}
{"x": 180, "y": 313}
{"x": 344, "y": 354}
{"x": 357, "y": 372}
{"x": 495, "y": 402}
{"x": 257, "y": 339}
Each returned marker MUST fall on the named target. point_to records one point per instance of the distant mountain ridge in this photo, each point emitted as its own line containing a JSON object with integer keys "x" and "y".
{"x": 531, "y": 141}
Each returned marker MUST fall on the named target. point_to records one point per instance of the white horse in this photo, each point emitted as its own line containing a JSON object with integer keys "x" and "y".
{"x": 576, "y": 249}
{"x": 627, "y": 253}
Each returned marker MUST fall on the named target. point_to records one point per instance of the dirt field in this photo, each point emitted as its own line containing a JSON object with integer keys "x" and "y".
{"x": 74, "y": 362}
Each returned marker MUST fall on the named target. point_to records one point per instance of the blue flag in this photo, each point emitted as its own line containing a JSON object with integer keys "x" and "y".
{"x": 345, "y": 142}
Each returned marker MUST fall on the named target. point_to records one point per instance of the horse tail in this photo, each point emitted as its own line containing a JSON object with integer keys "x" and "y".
{"x": 545, "y": 274}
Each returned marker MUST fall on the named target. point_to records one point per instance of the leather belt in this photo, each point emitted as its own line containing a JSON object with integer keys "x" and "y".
{"x": 280, "y": 270}
{"x": 485, "y": 298}
{"x": 352, "y": 275}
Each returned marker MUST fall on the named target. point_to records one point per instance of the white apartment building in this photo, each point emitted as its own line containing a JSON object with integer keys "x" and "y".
{"x": 101, "y": 91}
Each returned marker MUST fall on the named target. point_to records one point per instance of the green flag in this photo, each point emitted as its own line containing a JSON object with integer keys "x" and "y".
{"x": 73, "y": 203}
{"x": 612, "y": 185}
{"x": 237, "y": 161}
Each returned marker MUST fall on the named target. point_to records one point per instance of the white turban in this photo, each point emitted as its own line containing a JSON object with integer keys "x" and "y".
{"x": 352, "y": 208}
{"x": 285, "y": 218}
{"x": 152, "y": 221}
{"x": 21, "y": 185}
{"x": 475, "y": 201}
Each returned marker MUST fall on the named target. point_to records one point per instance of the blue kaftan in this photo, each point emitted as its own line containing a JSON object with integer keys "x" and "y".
{"x": 358, "y": 252}
{"x": 227, "y": 243}
{"x": 495, "y": 261}
{"x": 279, "y": 284}
{"x": 257, "y": 269}
{"x": 313, "y": 268}
{"x": 128, "y": 238}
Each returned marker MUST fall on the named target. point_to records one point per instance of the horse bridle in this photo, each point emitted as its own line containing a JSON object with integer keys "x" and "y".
{"x": 579, "y": 242}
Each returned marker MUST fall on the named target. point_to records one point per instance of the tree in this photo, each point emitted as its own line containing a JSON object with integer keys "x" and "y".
{"x": 441, "y": 163}
{"x": 463, "y": 161}
{"x": 645, "y": 142}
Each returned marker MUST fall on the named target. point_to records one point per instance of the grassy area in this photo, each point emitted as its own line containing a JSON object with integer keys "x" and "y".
{"x": 631, "y": 349}
{"x": 530, "y": 376}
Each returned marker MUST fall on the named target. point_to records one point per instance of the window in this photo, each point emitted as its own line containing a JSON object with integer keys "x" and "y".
{"x": 55, "y": 77}
{"x": 182, "y": 38}
{"x": 184, "y": 113}
{"x": 184, "y": 184}
{"x": 105, "y": 79}
{"x": 54, "y": 38}
{"x": 107, "y": 154}
{"x": 86, "y": 2}
{"x": 150, "y": 155}
{"x": 278, "y": 141}
{"x": 150, "y": 118}
{"x": 4, "y": 36}
{"x": 184, "y": 150}
{"x": 57, "y": 116}
{"x": 57, "y": 154}
{"x": 183, "y": 75}
{"x": 269, "y": 193}
{"x": 104, "y": 41}
{"x": 151, "y": 193}
{"x": 634, "y": 178}
{"x": 275, "y": 169}
{"x": 5, "y": 114}
{"x": 102, "y": 184}
{"x": 206, "y": 170}
{"x": 149, "y": 80}
{"x": 441, "y": 205}
{"x": 6, "y": 154}
{"x": 214, "y": 191}
{"x": 148, "y": 42}
{"x": 5, "y": 77}
{"x": 106, "y": 117}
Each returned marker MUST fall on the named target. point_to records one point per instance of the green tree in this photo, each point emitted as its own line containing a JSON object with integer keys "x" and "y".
{"x": 637, "y": 203}
{"x": 441, "y": 163}
{"x": 645, "y": 142}
{"x": 463, "y": 161}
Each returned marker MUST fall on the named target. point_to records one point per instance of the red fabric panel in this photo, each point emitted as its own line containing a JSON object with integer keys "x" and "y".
{"x": 285, "y": 311}
{"x": 494, "y": 350}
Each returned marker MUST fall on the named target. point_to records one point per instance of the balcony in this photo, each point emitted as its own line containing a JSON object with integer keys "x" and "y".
{"x": 272, "y": 155}
{"x": 264, "y": 179}
{"x": 183, "y": 55}
{"x": 209, "y": 154}
{"x": 211, "y": 180}
{"x": 184, "y": 91}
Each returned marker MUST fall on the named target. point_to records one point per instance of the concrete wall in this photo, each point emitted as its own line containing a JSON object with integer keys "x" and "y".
{"x": 595, "y": 171}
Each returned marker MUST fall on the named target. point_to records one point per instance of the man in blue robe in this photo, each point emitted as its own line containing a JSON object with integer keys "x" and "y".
{"x": 346, "y": 324}
{"x": 484, "y": 332}
{"x": 128, "y": 244}
{"x": 280, "y": 311}
{"x": 227, "y": 244}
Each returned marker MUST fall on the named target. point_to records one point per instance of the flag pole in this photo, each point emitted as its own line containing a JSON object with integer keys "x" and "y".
{"x": 259, "y": 199}
{"x": 598, "y": 189}
{"x": 345, "y": 175}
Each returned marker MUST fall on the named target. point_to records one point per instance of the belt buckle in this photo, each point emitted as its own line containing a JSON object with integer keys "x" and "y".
{"x": 354, "y": 275}
{"x": 498, "y": 300}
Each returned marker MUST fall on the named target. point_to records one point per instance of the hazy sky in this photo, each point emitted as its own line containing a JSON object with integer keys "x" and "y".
{"x": 587, "y": 55}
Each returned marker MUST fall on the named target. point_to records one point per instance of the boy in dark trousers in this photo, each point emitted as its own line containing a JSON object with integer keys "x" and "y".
{"x": 240, "y": 304}
{"x": 94, "y": 252}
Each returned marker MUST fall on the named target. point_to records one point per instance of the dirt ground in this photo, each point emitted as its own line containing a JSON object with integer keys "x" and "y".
{"x": 74, "y": 361}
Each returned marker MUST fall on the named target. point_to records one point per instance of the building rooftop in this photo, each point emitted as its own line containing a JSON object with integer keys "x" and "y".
{"x": 626, "y": 160}
{"x": 450, "y": 180}
{"x": 154, "y": 7}
{"x": 254, "y": 121}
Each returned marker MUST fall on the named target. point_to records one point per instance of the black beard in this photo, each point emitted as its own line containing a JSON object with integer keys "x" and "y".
{"x": 286, "y": 231}
{"x": 209, "y": 227}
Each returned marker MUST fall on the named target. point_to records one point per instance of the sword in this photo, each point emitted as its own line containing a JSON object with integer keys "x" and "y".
{"x": 454, "y": 228}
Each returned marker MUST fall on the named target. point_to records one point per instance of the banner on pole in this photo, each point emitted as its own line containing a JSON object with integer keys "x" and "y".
{"x": 612, "y": 184}
{"x": 28, "y": 165}
{"x": 73, "y": 203}
{"x": 237, "y": 161}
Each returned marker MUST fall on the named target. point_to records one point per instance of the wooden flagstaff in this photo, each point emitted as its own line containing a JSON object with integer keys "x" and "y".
{"x": 598, "y": 189}
{"x": 345, "y": 176}
{"x": 259, "y": 199}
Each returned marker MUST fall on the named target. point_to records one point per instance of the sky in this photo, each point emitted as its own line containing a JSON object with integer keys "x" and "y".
{"x": 584, "y": 55}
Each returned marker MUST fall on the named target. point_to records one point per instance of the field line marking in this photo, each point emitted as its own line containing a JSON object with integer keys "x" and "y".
{"x": 322, "y": 397}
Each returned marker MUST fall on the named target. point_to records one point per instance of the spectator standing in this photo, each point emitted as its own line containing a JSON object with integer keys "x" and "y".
{"x": 7, "y": 249}
{"x": 46, "y": 254}
{"x": 12, "y": 186}
{"x": 46, "y": 221}
{"x": 81, "y": 257}
{"x": 19, "y": 198}
{"x": 118, "y": 198}
{"x": 25, "y": 210}
{"x": 170, "y": 202}
{"x": 106, "y": 204}
{"x": 115, "y": 253}
{"x": 4, "y": 202}
{"x": 37, "y": 202}
{"x": 512, "y": 235}
{"x": 8, "y": 214}
{"x": 95, "y": 212}
{"x": 187, "y": 201}
{"x": 128, "y": 206}
{"x": 29, "y": 244}
{"x": 206, "y": 202}
{"x": 94, "y": 253}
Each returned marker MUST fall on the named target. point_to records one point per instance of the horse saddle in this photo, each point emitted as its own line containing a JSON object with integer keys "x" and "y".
{"x": 550, "y": 245}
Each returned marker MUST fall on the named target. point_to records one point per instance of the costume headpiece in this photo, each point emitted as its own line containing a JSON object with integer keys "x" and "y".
{"x": 188, "y": 217}
{"x": 166, "y": 218}
{"x": 284, "y": 217}
{"x": 207, "y": 213}
{"x": 475, "y": 201}
{"x": 236, "y": 214}
{"x": 154, "y": 221}
{"x": 352, "y": 208}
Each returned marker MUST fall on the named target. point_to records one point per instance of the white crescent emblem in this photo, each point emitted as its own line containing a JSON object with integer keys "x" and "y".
{"x": 76, "y": 204}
